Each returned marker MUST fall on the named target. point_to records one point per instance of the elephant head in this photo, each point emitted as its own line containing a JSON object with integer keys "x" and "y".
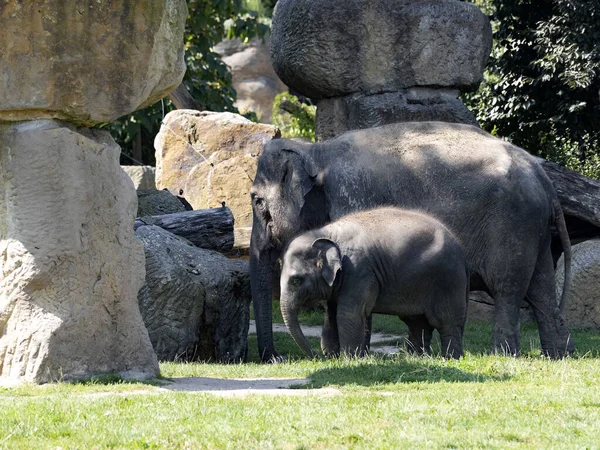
{"x": 285, "y": 175}
{"x": 286, "y": 199}
{"x": 308, "y": 274}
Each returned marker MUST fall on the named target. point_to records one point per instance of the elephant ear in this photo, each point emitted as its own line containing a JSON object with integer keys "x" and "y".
{"x": 330, "y": 257}
{"x": 299, "y": 174}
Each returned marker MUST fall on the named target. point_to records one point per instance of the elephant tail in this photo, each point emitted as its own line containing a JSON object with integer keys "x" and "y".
{"x": 561, "y": 225}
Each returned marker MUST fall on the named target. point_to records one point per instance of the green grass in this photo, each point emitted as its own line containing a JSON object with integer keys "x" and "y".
{"x": 480, "y": 401}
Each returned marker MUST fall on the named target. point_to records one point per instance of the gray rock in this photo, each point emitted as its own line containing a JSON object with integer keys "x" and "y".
{"x": 583, "y": 305}
{"x": 335, "y": 48}
{"x": 195, "y": 302}
{"x": 153, "y": 203}
{"x": 357, "y": 111}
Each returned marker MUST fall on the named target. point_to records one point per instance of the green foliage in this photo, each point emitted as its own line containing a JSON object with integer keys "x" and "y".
{"x": 294, "y": 119}
{"x": 542, "y": 85}
{"x": 207, "y": 78}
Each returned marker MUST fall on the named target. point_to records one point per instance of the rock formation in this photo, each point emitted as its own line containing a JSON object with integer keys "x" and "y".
{"x": 88, "y": 62}
{"x": 70, "y": 266}
{"x": 583, "y": 306}
{"x": 253, "y": 77}
{"x": 211, "y": 158}
{"x": 370, "y": 63}
{"x": 196, "y": 302}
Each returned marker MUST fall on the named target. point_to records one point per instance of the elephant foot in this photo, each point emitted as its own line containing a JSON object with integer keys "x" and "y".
{"x": 506, "y": 346}
{"x": 272, "y": 357}
{"x": 557, "y": 342}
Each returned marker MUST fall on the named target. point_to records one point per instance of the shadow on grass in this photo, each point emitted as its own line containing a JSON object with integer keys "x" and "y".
{"x": 396, "y": 370}
{"x": 112, "y": 379}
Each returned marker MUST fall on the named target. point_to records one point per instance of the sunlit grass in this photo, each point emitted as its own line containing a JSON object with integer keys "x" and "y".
{"x": 399, "y": 401}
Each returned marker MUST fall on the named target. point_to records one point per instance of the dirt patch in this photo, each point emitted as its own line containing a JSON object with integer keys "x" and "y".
{"x": 244, "y": 386}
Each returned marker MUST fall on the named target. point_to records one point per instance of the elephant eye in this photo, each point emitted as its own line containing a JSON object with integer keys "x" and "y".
{"x": 258, "y": 202}
{"x": 296, "y": 281}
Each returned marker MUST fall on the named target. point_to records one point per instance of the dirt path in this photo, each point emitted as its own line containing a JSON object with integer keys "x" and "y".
{"x": 315, "y": 331}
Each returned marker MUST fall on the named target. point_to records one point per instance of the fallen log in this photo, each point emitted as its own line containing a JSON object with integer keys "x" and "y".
{"x": 579, "y": 197}
{"x": 205, "y": 228}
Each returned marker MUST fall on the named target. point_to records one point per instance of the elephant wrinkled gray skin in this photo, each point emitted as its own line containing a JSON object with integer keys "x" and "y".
{"x": 386, "y": 261}
{"x": 493, "y": 196}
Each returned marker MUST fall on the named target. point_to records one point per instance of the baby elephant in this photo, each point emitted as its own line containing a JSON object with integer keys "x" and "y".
{"x": 387, "y": 261}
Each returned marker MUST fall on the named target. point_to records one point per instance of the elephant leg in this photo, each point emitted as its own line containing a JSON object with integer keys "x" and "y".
{"x": 506, "y": 337}
{"x": 354, "y": 306}
{"x": 451, "y": 341}
{"x": 330, "y": 340}
{"x": 262, "y": 275}
{"x": 351, "y": 328}
{"x": 419, "y": 334}
{"x": 554, "y": 334}
{"x": 368, "y": 328}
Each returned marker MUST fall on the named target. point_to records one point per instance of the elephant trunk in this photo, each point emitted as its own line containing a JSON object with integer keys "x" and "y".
{"x": 290, "y": 317}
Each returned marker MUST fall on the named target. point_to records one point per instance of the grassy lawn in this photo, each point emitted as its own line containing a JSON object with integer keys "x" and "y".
{"x": 381, "y": 402}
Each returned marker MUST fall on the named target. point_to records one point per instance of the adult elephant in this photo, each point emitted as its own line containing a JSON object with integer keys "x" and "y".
{"x": 494, "y": 197}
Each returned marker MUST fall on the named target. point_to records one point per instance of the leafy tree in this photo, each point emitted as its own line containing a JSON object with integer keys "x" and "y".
{"x": 207, "y": 78}
{"x": 293, "y": 117}
{"x": 542, "y": 88}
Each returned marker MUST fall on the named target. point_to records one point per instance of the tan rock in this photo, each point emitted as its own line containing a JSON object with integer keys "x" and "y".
{"x": 70, "y": 266}
{"x": 88, "y": 62}
{"x": 253, "y": 77}
{"x": 583, "y": 305}
{"x": 142, "y": 176}
{"x": 211, "y": 158}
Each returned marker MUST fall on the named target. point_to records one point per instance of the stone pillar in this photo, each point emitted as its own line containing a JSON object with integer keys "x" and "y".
{"x": 374, "y": 62}
{"x": 70, "y": 265}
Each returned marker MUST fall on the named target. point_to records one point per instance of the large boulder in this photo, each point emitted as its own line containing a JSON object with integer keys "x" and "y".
{"x": 70, "y": 266}
{"x": 211, "y": 158}
{"x": 583, "y": 305}
{"x": 88, "y": 62}
{"x": 253, "y": 77}
{"x": 334, "y": 48}
{"x": 195, "y": 302}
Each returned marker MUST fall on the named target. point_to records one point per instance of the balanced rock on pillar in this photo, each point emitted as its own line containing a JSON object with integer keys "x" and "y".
{"x": 88, "y": 62}
{"x": 374, "y": 62}
{"x": 70, "y": 266}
